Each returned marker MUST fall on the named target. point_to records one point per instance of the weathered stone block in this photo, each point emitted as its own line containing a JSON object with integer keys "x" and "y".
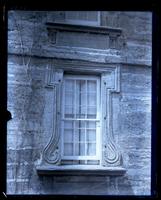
{"x": 11, "y": 187}
{"x": 83, "y": 40}
{"x": 11, "y": 156}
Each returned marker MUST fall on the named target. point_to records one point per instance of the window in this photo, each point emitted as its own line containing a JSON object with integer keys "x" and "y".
{"x": 80, "y": 122}
{"x": 79, "y": 118}
{"x": 83, "y": 17}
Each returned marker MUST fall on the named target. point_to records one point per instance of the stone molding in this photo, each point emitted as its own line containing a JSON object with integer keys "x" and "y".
{"x": 111, "y": 155}
{"x": 51, "y": 153}
{"x": 112, "y": 34}
{"x": 110, "y": 81}
{"x": 84, "y": 28}
{"x": 77, "y": 170}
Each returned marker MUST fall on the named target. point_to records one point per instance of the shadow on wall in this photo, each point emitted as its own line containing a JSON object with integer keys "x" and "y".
{"x": 83, "y": 185}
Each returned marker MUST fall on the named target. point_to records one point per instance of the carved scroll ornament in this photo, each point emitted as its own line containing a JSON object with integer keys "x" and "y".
{"x": 111, "y": 155}
{"x": 110, "y": 83}
{"x": 51, "y": 153}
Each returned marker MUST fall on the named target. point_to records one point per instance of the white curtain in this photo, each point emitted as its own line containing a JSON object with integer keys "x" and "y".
{"x": 80, "y": 99}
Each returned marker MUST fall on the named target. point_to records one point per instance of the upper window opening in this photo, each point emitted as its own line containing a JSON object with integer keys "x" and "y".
{"x": 89, "y": 18}
{"x": 83, "y": 17}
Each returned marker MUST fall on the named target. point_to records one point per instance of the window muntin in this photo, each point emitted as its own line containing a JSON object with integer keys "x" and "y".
{"x": 80, "y": 122}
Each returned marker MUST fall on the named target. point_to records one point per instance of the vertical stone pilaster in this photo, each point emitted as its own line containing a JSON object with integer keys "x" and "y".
{"x": 110, "y": 84}
{"x": 51, "y": 153}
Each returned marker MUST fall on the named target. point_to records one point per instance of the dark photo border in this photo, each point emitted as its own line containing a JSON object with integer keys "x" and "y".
{"x": 115, "y": 5}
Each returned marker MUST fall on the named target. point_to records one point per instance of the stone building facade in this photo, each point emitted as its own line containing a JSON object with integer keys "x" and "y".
{"x": 42, "y": 48}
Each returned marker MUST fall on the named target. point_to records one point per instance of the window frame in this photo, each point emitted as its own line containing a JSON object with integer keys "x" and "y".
{"x": 111, "y": 163}
{"x": 97, "y": 120}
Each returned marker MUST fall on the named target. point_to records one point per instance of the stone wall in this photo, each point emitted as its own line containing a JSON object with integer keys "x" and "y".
{"x": 29, "y": 54}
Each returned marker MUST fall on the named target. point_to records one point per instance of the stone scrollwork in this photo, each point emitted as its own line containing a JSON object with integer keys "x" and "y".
{"x": 110, "y": 84}
{"x": 51, "y": 153}
{"x": 111, "y": 155}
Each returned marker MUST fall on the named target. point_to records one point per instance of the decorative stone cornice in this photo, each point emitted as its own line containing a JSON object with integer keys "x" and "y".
{"x": 107, "y": 37}
{"x": 84, "y": 28}
{"x": 80, "y": 170}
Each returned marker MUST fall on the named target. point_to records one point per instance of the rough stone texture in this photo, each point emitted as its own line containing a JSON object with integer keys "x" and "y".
{"x": 27, "y": 35}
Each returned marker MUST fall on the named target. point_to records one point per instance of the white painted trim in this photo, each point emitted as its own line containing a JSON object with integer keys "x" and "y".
{"x": 98, "y": 123}
{"x": 79, "y": 119}
{"x": 80, "y": 157}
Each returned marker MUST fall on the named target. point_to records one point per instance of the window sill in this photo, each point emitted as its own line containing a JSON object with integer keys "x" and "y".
{"x": 79, "y": 170}
{"x": 83, "y": 28}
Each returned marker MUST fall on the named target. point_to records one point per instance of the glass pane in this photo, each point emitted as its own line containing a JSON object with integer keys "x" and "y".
{"x": 91, "y": 136}
{"x": 70, "y": 14}
{"x": 76, "y": 136}
{"x": 69, "y": 98}
{"x": 68, "y": 149}
{"x": 91, "y": 125}
{"x": 69, "y": 85}
{"x": 91, "y": 99}
{"x": 79, "y": 134}
{"x": 80, "y": 99}
{"x": 91, "y": 149}
{"x": 82, "y": 15}
{"x": 81, "y": 124}
{"x": 80, "y": 112}
{"x": 80, "y": 149}
{"x": 71, "y": 116}
{"x": 91, "y": 86}
{"x": 69, "y": 112}
{"x": 91, "y": 112}
{"x": 91, "y": 117}
{"x": 68, "y": 135}
{"x": 80, "y": 86}
{"x": 93, "y": 15}
{"x": 76, "y": 145}
{"x": 68, "y": 124}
